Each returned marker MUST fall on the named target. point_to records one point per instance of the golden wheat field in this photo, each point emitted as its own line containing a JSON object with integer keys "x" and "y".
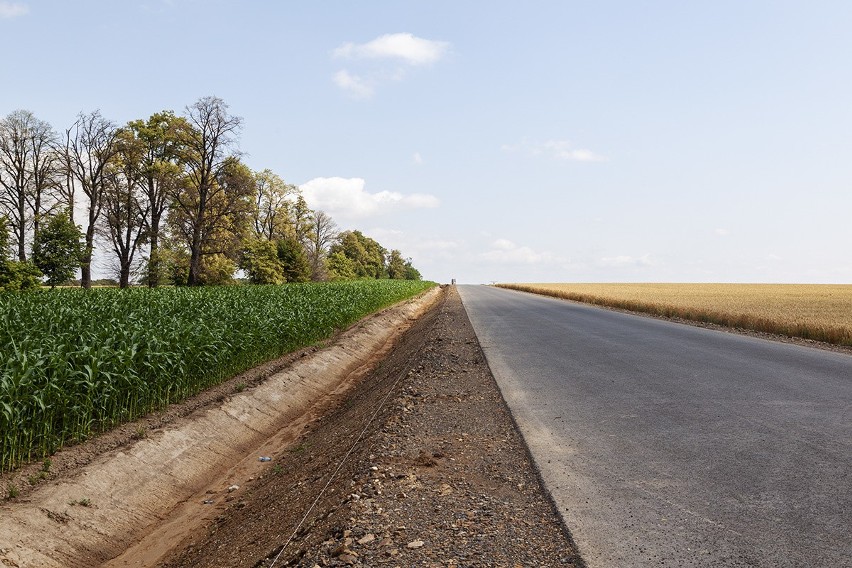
{"x": 822, "y": 312}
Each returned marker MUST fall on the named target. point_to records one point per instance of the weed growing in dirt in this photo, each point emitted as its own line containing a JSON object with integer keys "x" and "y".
{"x": 84, "y": 502}
{"x": 12, "y": 491}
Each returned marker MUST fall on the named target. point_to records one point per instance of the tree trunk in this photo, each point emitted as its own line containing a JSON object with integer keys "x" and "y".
{"x": 124, "y": 275}
{"x": 86, "y": 261}
{"x": 195, "y": 257}
{"x": 154, "y": 260}
{"x": 22, "y": 227}
{"x": 195, "y": 250}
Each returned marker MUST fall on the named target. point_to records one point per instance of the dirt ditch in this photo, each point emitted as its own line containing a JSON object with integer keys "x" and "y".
{"x": 409, "y": 459}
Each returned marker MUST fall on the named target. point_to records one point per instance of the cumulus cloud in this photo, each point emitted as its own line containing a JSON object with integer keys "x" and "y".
{"x": 562, "y": 150}
{"x": 348, "y": 198}
{"x": 354, "y": 85}
{"x": 404, "y": 47}
{"x": 625, "y": 261}
{"x": 385, "y": 59}
{"x": 12, "y": 9}
{"x": 505, "y": 251}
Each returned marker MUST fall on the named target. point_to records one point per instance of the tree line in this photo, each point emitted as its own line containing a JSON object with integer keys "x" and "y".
{"x": 170, "y": 200}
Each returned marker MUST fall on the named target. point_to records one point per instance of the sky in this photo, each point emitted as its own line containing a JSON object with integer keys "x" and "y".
{"x": 495, "y": 141}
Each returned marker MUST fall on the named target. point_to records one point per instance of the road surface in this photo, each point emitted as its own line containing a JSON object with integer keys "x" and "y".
{"x": 671, "y": 445}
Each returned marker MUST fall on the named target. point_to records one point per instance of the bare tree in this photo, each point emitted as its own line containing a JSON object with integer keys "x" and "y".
{"x": 323, "y": 234}
{"x": 27, "y": 173}
{"x": 209, "y": 144}
{"x": 90, "y": 146}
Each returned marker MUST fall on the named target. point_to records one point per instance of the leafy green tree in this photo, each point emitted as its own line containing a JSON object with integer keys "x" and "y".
{"x": 396, "y": 265}
{"x": 367, "y": 255}
{"x": 411, "y": 273}
{"x": 57, "y": 250}
{"x": 15, "y": 274}
{"x": 340, "y": 267}
{"x": 261, "y": 263}
{"x": 224, "y": 224}
{"x": 4, "y": 238}
{"x": 18, "y": 275}
{"x": 295, "y": 263}
{"x": 160, "y": 166}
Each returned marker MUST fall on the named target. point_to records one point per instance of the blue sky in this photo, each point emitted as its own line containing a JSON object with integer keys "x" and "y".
{"x": 500, "y": 141}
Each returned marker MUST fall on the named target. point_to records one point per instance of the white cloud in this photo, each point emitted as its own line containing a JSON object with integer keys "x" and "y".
{"x": 406, "y": 47}
{"x": 417, "y": 158}
{"x": 347, "y": 198}
{"x": 13, "y": 9}
{"x": 555, "y": 149}
{"x": 355, "y": 85}
{"x": 505, "y": 251}
{"x": 722, "y": 232}
{"x": 625, "y": 261}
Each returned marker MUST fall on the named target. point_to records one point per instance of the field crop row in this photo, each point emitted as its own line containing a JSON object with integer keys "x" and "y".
{"x": 75, "y": 362}
{"x": 820, "y": 312}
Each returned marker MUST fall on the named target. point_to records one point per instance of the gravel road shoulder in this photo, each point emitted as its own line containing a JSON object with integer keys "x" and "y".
{"x": 419, "y": 465}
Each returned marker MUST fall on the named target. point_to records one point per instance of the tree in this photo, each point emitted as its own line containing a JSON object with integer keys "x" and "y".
{"x": 15, "y": 274}
{"x": 323, "y": 234}
{"x": 411, "y": 273}
{"x": 4, "y": 238}
{"x": 160, "y": 166}
{"x": 208, "y": 144}
{"x": 125, "y": 206}
{"x": 292, "y": 256}
{"x": 28, "y": 163}
{"x": 396, "y": 265}
{"x": 90, "y": 146}
{"x": 340, "y": 267}
{"x": 57, "y": 250}
{"x": 261, "y": 263}
{"x": 225, "y": 222}
{"x": 272, "y": 205}
{"x": 367, "y": 255}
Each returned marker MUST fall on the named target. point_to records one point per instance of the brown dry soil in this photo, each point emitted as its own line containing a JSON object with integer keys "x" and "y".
{"x": 418, "y": 464}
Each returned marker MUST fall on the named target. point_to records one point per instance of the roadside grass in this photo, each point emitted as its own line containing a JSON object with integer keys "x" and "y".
{"x": 819, "y": 312}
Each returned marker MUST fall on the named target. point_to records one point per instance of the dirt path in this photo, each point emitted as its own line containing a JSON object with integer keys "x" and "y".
{"x": 418, "y": 464}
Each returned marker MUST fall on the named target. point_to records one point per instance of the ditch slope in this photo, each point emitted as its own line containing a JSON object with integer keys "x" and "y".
{"x": 413, "y": 460}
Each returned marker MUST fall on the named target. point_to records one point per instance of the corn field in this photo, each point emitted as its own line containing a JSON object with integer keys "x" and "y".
{"x": 74, "y": 362}
{"x": 821, "y": 312}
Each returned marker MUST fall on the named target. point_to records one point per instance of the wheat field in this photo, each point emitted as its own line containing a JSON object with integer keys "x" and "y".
{"x": 822, "y": 312}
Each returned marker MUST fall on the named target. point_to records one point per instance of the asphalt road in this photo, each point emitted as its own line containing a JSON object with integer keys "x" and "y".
{"x": 671, "y": 445}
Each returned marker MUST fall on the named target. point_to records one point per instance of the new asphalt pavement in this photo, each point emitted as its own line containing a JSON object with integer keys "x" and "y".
{"x": 665, "y": 444}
